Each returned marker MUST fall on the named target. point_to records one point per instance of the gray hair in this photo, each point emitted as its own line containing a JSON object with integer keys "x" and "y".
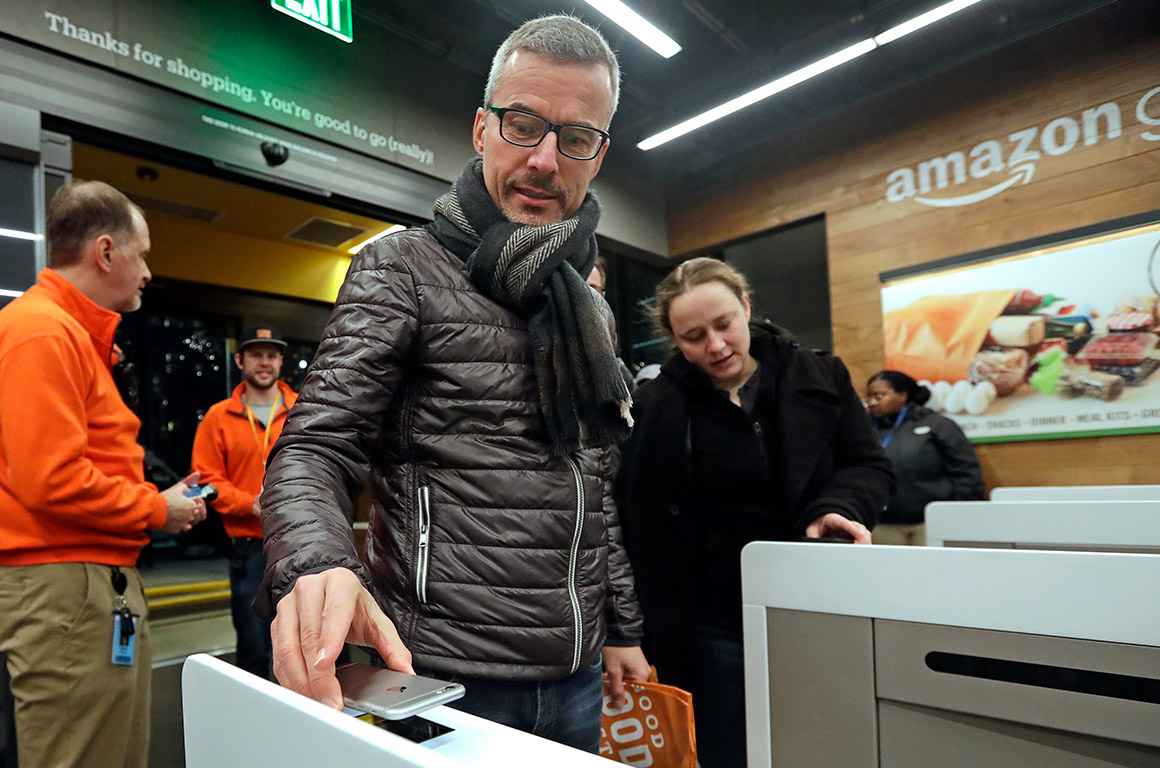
{"x": 562, "y": 38}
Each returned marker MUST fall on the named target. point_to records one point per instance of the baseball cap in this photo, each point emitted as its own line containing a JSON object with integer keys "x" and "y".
{"x": 260, "y": 334}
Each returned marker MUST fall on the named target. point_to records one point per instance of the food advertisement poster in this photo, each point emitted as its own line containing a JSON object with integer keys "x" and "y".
{"x": 1043, "y": 343}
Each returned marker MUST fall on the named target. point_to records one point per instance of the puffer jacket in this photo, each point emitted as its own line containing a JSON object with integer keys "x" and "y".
{"x": 493, "y": 558}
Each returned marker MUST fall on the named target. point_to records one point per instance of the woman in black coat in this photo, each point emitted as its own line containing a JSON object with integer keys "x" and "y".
{"x": 932, "y": 458}
{"x": 743, "y": 437}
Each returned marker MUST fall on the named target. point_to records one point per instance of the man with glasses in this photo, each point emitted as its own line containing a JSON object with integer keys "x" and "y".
{"x": 470, "y": 372}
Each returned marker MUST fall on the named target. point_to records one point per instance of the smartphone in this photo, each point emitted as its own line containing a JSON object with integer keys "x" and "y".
{"x": 207, "y": 492}
{"x": 392, "y": 695}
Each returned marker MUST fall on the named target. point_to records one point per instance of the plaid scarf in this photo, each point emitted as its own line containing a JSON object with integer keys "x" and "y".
{"x": 538, "y": 271}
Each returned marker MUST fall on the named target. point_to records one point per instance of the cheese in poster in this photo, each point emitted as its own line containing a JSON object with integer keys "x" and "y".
{"x": 1050, "y": 343}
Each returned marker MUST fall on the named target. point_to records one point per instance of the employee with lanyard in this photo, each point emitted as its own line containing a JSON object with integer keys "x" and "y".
{"x": 933, "y": 460}
{"x": 75, "y": 508}
{"x": 230, "y": 450}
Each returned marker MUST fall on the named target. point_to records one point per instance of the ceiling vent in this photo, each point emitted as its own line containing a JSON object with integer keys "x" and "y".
{"x": 324, "y": 232}
{"x": 158, "y": 205}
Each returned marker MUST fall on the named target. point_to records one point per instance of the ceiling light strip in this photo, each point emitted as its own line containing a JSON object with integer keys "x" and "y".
{"x": 20, "y": 234}
{"x": 805, "y": 73}
{"x": 923, "y": 20}
{"x": 637, "y": 26}
{"x": 782, "y": 83}
{"x": 373, "y": 238}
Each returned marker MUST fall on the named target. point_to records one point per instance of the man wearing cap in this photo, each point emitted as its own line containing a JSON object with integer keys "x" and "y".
{"x": 230, "y": 450}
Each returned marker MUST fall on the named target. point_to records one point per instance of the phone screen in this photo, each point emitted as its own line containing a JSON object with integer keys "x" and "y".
{"x": 416, "y": 729}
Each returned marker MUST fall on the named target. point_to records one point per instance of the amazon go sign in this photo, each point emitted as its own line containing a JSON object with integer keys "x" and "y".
{"x": 935, "y": 182}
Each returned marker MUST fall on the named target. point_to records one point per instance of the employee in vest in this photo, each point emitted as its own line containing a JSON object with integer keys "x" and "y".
{"x": 74, "y": 504}
{"x": 230, "y": 450}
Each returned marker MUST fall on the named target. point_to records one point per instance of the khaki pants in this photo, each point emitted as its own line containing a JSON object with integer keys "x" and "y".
{"x": 908, "y": 535}
{"x": 73, "y": 706}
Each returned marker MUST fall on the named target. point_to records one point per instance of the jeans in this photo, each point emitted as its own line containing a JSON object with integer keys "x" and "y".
{"x": 719, "y": 698}
{"x": 254, "y": 654}
{"x": 566, "y": 711}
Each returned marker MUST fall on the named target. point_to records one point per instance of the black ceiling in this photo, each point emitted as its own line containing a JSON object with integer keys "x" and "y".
{"x": 732, "y": 46}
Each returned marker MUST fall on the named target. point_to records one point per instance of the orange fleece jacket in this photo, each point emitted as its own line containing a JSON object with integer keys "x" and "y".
{"x": 229, "y": 454}
{"x": 72, "y": 476}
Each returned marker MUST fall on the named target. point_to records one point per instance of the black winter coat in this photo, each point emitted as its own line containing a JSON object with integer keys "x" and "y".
{"x": 933, "y": 461}
{"x": 493, "y": 558}
{"x": 825, "y": 458}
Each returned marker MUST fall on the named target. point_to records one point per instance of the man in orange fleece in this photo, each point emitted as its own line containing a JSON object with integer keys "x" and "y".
{"x": 230, "y": 450}
{"x": 74, "y": 504}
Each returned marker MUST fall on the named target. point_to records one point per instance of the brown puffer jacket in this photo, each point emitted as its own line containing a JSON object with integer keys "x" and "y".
{"x": 492, "y": 558}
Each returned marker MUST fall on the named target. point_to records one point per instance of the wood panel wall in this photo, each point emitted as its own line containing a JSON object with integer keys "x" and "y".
{"x": 868, "y": 235}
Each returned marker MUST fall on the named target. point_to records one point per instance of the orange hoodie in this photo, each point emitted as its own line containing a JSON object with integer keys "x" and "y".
{"x": 232, "y": 455}
{"x": 72, "y": 476}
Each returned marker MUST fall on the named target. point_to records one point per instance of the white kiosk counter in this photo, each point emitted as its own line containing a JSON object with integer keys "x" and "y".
{"x": 1078, "y": 493}
{"x": 1087, "y": 526}
{"x": 236, "y": 720}
{"x": 910, "y": 657}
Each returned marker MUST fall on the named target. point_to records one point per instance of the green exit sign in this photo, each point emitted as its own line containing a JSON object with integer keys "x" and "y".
{"x": 330, "y": 16}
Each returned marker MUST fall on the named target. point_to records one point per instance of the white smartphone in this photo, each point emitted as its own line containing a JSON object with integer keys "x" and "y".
{"x": 392, "y": 695}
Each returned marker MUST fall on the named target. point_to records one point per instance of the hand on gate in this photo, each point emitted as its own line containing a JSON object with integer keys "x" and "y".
{"x": 323, "y": 611}
{"x": 836, "y": 526}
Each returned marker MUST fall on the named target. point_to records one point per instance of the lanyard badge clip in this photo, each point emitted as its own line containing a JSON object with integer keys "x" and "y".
{"x": 124, "y": 629}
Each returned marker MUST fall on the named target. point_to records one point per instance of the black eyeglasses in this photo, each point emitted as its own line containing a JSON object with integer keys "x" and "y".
{"x": 527, "y": 129}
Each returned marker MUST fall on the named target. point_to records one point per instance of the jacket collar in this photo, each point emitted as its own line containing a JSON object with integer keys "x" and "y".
{"x": 100, "y": 323}
{"x": 917, "y": 412}
{"x": 913, "y": 413}
{"x": 236, "y": 406}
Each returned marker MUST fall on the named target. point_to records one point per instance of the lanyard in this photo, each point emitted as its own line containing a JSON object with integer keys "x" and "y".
{"x": 889, "y": 436}
{"x": 265, "y": 442}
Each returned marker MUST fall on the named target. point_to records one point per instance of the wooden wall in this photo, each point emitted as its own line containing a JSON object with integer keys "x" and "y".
{"x": 1078, "y": 69}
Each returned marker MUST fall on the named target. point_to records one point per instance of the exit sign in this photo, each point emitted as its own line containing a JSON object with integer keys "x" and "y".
{"x": 330, "y": 16}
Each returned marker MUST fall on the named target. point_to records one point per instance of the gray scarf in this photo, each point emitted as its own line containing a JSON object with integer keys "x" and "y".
{"x": 537, "y": 271}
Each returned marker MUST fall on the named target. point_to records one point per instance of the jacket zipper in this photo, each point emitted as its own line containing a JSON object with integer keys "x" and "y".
{"x": 572, "y": 556}
{"x": 424, "y": 511}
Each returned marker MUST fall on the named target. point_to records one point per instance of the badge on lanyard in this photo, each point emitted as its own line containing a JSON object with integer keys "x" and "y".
{"x": 265, "y": 442}
{"x": 124, "y": 628}
{"x": 888, "y": 437}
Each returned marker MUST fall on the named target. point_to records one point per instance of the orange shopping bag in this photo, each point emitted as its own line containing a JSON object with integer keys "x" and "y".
{"x": 654, "y": 727}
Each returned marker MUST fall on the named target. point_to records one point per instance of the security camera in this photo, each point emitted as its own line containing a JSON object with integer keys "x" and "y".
{"x": 275, "y": 153}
